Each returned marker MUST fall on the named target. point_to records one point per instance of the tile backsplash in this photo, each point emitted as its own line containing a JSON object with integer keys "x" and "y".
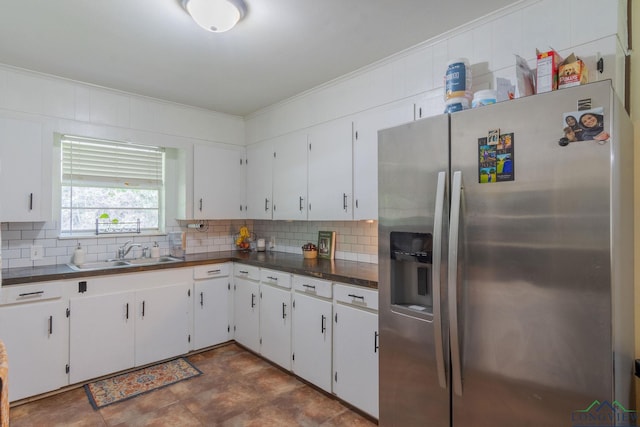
{"x": 355, "y": 240}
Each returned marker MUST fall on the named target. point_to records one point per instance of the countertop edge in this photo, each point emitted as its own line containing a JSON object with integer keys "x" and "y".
{"x": 350, "y": 272}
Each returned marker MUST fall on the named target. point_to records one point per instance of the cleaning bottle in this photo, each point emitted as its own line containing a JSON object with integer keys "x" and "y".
{"x": 78, "y": 255}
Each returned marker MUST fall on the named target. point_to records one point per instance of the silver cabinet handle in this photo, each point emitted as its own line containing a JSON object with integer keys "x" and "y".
{"x": 213, "y": 271}
{"x": 201, "y": 204}
{"x": 323, "y": 327}
{"x": 454, "y": 225}
{"x": 30, "y": 201}
{"x": 300, "y": 204}
{"x": 439, "y": 218}
{"x": 266, "y": 204}
{"x": 344, "y": 201}
{"x": 284, "y": 314}
{"x": 201, "y": 299}
{"x": 375, "y": 342}
{"x": 253, "y": 300}
{"x": 312, "y": 287}
{"x": 50, "y": 325}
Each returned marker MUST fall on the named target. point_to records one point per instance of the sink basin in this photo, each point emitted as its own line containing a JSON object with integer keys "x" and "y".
{"x": 99, "y": 265}
{"x": 104, "y": 265}
{"x": 152, "y": 261}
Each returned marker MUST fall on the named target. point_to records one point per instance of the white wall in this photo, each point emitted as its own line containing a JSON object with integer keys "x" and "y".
{"x": 586, "y": 27}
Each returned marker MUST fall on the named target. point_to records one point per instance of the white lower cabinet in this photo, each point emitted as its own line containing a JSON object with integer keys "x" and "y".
{"x": 275, "y": 317}
{"x": 312, "y": 311}
{"x": 102, "y": 335}
{"x": 355, "y": 347}
{"x": 121, "y": 321}
{"x": 36, "y": 336}
{"x": 246, "y": 306}
{"x": 162, "y": 322}
{"x": 212, "y": 300}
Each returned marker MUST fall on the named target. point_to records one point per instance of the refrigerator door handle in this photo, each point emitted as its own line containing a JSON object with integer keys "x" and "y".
{"x": 437, "y": 263}
{"x": 454, "y": 225}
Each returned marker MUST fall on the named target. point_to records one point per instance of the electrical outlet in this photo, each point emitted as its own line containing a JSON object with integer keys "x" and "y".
{"x": 36, "y": 252}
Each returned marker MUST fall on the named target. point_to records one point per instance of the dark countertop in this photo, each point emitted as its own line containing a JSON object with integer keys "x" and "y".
{"x": 352, "y": 272}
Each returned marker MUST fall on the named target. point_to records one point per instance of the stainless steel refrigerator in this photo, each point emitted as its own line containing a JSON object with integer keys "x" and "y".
{"x": 506, "y": 264}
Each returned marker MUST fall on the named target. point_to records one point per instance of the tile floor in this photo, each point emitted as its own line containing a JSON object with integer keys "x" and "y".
{"x": 237, "y": 388}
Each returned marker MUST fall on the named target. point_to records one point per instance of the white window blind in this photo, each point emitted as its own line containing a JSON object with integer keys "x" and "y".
{"x": 105, "y": 163}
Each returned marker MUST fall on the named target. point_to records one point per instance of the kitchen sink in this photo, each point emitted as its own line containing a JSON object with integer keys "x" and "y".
{"x": 123, "y": 263}
{"x": 152, "y": 261}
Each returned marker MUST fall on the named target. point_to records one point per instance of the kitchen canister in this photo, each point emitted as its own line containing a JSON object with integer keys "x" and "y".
{"x": 457, "y": 79}
{"x": 484, "y": 97}
{"x": 456, "y": 104}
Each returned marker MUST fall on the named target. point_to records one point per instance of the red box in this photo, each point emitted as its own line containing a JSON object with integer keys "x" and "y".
{"x": 547, "y": 71}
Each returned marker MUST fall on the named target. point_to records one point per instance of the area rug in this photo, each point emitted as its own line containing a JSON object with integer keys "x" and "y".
{"x": 125, "y": 386}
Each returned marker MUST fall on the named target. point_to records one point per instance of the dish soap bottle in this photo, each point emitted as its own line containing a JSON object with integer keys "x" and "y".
{"x": 155, "y": 250}
{"x": 78, "y": 255}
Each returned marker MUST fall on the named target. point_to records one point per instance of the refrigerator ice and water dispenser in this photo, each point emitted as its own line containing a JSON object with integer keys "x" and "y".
{"x": 411, "y": 287}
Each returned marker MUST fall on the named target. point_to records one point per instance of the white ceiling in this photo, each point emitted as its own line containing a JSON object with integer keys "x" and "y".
{"x": 280, "y": 48}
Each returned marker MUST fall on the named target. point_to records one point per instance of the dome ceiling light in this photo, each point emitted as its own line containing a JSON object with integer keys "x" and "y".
{"x": 215, "y": 15}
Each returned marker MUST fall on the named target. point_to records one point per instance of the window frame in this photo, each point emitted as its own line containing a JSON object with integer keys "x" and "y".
{"x": 108, "y": 182}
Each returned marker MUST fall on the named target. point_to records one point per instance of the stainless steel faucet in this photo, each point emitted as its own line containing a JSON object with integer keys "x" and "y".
{"x": 126, "y": 247}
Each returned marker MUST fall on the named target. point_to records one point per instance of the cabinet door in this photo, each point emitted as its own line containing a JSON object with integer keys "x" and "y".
{"x": 247, "y": 314}
{"x": 275, "y": 325}
{"x": 21, "y": 179}
{"x": 211, "y": 312}
{"x": 290, "y": 177}
{"x": 365, "y": 155}
{"x": 101, "y": 335}
{"x": 312, "y": 340}
{"x": 355, "y": 357}
{"x": 259, "y": 180}
{"x": 218, "y": 183}
{"x": 162, "y": 322}
{"x": 331, "y": 171}
{"x": 37, "y": 340}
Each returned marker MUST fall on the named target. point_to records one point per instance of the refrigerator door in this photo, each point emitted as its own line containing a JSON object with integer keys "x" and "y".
{"x": 413, "y": 222}
{"x": 531, "y": 341}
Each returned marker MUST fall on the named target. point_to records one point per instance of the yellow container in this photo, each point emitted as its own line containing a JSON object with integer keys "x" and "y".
{"x": 310, "y": 254}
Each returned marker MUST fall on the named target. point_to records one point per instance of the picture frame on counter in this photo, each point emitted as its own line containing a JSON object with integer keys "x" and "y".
{"x": 326, "y": 244}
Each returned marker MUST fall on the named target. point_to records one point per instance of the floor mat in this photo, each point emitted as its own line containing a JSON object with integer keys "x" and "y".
{"x": 125, "y": 386}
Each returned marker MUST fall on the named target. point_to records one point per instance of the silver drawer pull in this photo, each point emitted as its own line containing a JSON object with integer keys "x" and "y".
{"x": 356, "y": 297}
{"x": 272, "y": 278}
{"x": 243, "y": 272}
{"x": 214, "y": 271}
{"x": 309, "y": 286}
{"x": 31, "y": 294}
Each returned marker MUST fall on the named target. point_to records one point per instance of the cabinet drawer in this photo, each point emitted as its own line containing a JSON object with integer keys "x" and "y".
{"x": 210, "y": 271}
{"x": 30, "y": 293}
{"x": 321, "y": 288}
{"x": 247, "y": 271}
{"x": 276, "y": 278}
{"x": 357, "y": 296}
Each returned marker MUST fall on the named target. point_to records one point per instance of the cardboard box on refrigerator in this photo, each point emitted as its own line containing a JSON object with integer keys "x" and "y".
{"x": 572, "y": 72}
{"x": 547, "y": 70}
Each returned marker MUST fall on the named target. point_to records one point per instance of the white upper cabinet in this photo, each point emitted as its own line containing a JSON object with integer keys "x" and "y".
{"x": 365, "y": 155}
{"x": 330, "y": 171}
{"x": 218, "y": 183}
{"x": 260, "y": 159}
{"x": 24, "y": 194}
{"x": 290, "y": 177}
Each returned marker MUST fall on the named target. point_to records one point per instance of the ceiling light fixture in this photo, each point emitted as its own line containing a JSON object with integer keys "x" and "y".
{"x": 215, "y": 15}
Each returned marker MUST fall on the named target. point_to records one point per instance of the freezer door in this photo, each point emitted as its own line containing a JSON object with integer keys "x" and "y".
{"x": 413, "y": 222}
{"x": 531, "y": 338}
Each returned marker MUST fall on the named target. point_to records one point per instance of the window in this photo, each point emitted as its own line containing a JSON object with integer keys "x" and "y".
{"x": 110, "y": 187}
